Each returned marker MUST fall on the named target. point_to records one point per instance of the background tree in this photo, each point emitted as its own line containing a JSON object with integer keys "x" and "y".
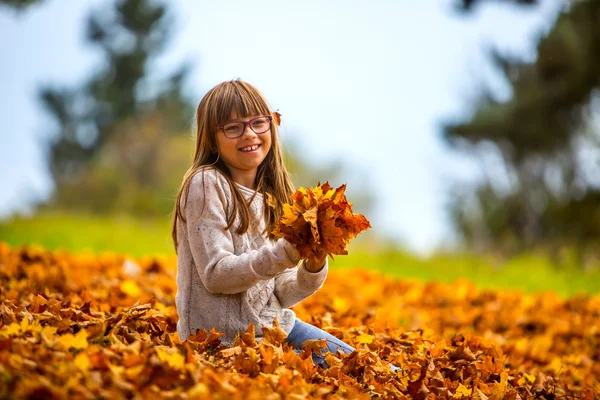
{"x": 547, "y": 138}
{"x": 469, "y": 5}
{"x": 129, "y": 35}
{"x": 19, "y": 5}
{"x": 119, "y": 95}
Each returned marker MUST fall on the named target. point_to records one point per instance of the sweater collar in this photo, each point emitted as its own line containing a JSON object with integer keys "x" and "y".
{"x": 247, "y": 191}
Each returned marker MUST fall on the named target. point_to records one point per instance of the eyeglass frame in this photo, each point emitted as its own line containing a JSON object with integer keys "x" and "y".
{"x": 247, "y": 124}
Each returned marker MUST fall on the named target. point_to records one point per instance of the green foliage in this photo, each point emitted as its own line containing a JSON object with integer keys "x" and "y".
{"x": 151, "y": 236}
{"x": 551, "y": 194}
{"x": 137, "y": 172}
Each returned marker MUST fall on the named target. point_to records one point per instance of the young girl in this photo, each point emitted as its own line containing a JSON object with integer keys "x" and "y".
{"x": 231, "y": 272}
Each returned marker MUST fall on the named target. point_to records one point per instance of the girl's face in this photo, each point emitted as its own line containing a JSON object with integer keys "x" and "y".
{"x": 243, "y": 154}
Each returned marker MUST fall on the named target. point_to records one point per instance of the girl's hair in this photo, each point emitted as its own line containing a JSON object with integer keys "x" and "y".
{"x": 215, "y": 109}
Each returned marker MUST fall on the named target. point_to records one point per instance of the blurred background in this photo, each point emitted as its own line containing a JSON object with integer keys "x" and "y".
{"x": 467, "y": 131}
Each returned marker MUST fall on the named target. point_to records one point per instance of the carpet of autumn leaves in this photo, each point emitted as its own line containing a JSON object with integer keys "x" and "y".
{"x": 84, "y": 326}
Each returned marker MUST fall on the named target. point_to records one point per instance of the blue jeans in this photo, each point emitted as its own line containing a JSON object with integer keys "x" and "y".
{"x": 302, "y": 332}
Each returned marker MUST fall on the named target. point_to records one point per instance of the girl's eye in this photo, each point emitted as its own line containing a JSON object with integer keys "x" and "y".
{"x": 259, "y": 123}
{"x": 231, "y": 128}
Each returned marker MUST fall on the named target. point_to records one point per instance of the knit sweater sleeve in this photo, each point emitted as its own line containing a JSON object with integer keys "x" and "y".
{"x": 211, "y": 244}
{"x": 294, "y": 285}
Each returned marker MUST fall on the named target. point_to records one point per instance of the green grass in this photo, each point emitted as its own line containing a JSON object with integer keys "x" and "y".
{"x": 120, "y": 234}
{"x": 531, "y": 273}
{"x": 123, "y": 234}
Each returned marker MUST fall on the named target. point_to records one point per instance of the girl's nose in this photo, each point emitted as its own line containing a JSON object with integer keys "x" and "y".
{"x": 248, "y": 131}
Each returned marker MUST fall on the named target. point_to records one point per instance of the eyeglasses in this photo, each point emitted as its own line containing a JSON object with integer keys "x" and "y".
{"x": 258, "y": 125}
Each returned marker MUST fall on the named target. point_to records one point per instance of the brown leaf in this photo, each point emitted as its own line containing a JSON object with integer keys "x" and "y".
{"x": 314, "y": 345}
{"x": 320, "y": 219}
{"x": 277, "y": 118}
{"x": 249, "y": 337}
{"x": 274, "y": 334}
{"x": 462, "y": 353}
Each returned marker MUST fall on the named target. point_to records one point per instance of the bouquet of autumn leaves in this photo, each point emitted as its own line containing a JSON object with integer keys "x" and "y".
{"x": 319, "y": 220}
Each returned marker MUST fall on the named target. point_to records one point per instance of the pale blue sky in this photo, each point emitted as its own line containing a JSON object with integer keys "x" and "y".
{"x": 366, "y": 83}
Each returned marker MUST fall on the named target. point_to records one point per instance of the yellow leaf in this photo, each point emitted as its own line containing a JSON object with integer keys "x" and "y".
{"x": 23, "y": 327}
{"x": 71, "y": 382}
{"x": 198, "y": 391}
{"x": 556, "y": 364}
{"x": 134, "y": 372}
{"x": 24, "y": 324}
{"x": 82, "y": 361}
{"x": 462, "y": 391}
{"x": 48, "y": 331}
{"x": 78, "y": 341}
{"x": 171, "y": 356}
{"x": 499, "y": 388}
{"x": 116, "y": 369}
{"x": 11, "y": 329}
{"x": 526, "y": 378}
{"x": 130, "y": 288}
{"x": 365, "y": 338}
{"x": 522, "y": 345}
{"x": 340, "y": 304}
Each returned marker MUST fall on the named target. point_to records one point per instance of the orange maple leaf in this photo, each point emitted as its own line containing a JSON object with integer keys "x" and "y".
{"x": 320, "y": 220}
{"x": 315, "y": 345}
{"x": 274, "y": 334}
{"x": 277, "y": 118}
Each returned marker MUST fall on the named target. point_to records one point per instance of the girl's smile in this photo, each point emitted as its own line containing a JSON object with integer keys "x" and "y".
{"x": 243, "y": 154}
{"x": 251, "y": 149}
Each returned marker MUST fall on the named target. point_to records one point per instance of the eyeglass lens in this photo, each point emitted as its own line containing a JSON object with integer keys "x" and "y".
{"x": 258, "y": 125}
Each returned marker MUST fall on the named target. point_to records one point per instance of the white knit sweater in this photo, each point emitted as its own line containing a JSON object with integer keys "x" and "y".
{"x": 227, "y": 281}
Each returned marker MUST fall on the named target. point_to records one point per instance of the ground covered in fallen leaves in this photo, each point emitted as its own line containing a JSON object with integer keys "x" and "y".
{"x": 84, "y": 326}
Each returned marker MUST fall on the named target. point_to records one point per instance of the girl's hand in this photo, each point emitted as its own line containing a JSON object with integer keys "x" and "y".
{"x": 316, "y": 262}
